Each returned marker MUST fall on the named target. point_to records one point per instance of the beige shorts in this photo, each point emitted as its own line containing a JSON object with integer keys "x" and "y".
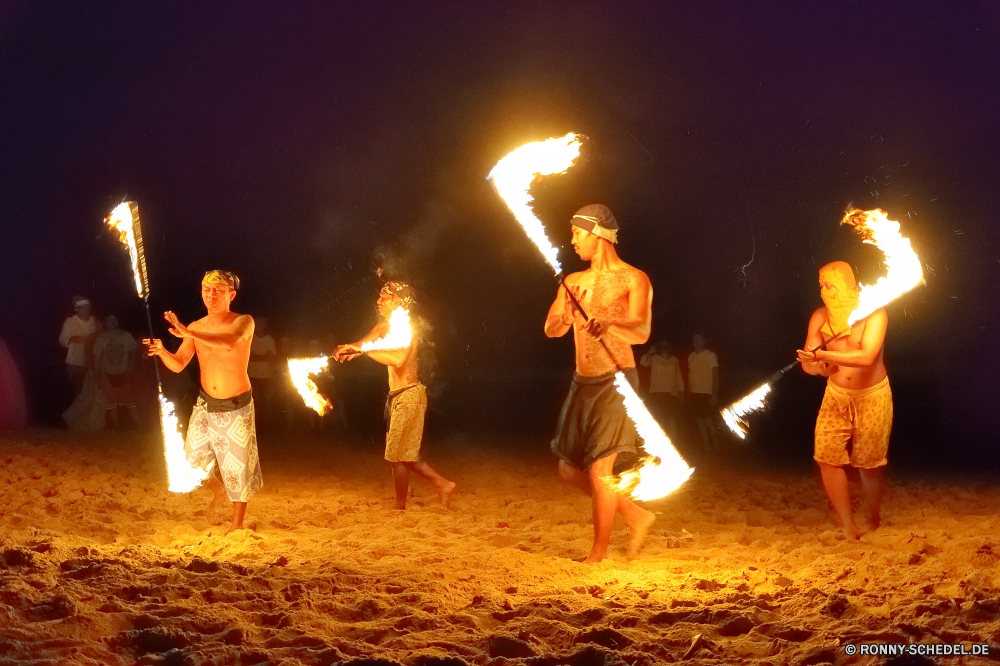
{"x": 406, "y": 425}
{"x": 861, "y": 415}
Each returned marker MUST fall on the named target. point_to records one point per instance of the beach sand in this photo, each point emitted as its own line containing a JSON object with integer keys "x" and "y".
{"x": 100, "y": 564}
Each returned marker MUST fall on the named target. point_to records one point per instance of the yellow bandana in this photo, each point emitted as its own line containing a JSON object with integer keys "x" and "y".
{"x": 839, "y": 291}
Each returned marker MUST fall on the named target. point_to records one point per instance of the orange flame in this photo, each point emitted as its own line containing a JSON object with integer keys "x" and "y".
{"x": 125, "y": 220}
{"x": 903, "y": 266}
{"x": 299, "y": 370}
{"x": 183, "y": 478}
{"x": 663, "y": 470}
{"x": 399, "y": 336}
{"x": 512, "y": 177}
{"x": 733, "y": 415}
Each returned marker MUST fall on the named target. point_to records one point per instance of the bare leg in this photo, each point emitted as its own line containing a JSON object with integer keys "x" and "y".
{"x": 239, "y": 510}
{"x": 134, "y": 413}
{"x": 873, "y": 483}
{"x": 443, "y": 486}
{"x": 835, "y": 483}
{"x": 401, "y": 481}
{"x": 217, "y": 508}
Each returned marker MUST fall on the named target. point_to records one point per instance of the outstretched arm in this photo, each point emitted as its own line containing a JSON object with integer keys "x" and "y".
{"x": 174, "y": 362}
{"x": 351, "y": 350}
{"x": 239, "y": 331}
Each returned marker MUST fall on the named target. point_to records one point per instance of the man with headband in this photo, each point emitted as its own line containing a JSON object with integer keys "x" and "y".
{"x": 222, "y": 429}
{"x": 857, "y": 405}
{"x": 593, "y": 429}
{"x": 406, "y": 404}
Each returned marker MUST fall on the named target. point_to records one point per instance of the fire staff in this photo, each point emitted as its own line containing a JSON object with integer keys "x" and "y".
{"x": 857, "y": 404}
{"x": 222, "y": 428}
{"x": 594, "y": 428}
{"x": 406, "y": 404}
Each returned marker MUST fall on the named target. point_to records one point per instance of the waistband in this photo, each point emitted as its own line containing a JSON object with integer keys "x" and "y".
{"x": 233, "y": 404}
{"x": 630, "y": 374}
{"x": 854, "y": 394}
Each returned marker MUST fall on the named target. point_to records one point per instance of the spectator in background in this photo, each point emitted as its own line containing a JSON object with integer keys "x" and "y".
{"x": 78, "y": 335}
{"x": 666, "y": 384}
{"x": 114, "y": 365}
{"x": 263, "y": 354}
{"x": 703, "y": 391}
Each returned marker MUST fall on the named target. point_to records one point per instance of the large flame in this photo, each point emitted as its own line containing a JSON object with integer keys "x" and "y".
{"x": 903, "y": 273}
{"x": 512, "y": 178}
{"x": 399, "y": 336}
{"x": 663, "y": 470}
{"x": 299, "y": 370}
{"x": 903, "y": 270}
{"x": 183, "y": 478}
{"x": 733, "y": 414}
{"x": 125, "y": 220}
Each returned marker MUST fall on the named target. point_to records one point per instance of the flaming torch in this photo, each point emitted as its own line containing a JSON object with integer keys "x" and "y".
{"x": 903, "y": 273}
{"x": 399, "y": 336}
{"x": 182, "y": 476}
{"x": 663, "y": 470}
{"x": 299, "y": 371}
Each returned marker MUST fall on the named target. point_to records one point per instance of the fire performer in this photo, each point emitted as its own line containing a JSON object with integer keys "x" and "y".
{"x": 594, "y": 428}
{"x": 222, "y": 428}
{"x": 857, "y": 405}
{"x": 406, "y": 403}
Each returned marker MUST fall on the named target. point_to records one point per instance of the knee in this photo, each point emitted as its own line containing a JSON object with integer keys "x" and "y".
{"x": 567, "y": 472}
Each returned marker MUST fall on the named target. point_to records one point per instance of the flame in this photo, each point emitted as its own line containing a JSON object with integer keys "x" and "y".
{"x": 399, "y": 336}
{"x": 183, "y": 478}
{"x": 299, "y": 370}
{"x": 663, "y": 470}
{"x": 512, "y": 177}
{"x": 903, "y": 274}
{"x": 733, "y": 415}
{"x": 903, "y": 266}
{"x": 125, "y": 220}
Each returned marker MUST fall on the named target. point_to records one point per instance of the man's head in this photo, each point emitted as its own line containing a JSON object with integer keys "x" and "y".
{"x": 592, "y": 225}
{"x": 111, "y": 323}
{"x": 261, "y": 326}
{"x": 393, "y": 295}
{"x": 699, "y": 342}
{"x": 218, "y": 289}
{"x": 839, "y": 291}
{"x": 81, "y": 304}
{"x": 665, "y": 348}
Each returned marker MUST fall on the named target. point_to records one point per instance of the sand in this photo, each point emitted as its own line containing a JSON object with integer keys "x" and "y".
{"x": 101, "y": 564}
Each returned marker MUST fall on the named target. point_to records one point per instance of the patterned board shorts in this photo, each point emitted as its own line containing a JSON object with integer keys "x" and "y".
{"x": 861, "y": 415}
{"x": 230, "y": 440}
{"x": 406, "y": 425}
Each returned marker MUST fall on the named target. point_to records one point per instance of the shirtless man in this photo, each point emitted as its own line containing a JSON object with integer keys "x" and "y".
{"x": 593, "y": 427}
{"x": 406, "y": 404}
{"x": 857, "y": 404}
{"x": 222, "y": 429}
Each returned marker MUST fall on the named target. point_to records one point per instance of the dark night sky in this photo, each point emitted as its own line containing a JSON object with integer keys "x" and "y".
{"x": 300, "y": 143}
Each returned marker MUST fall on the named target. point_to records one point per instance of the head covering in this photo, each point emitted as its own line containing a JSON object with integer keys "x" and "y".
{"x": 597, "y": 219}
{"x": 841, "y": 297}
{"x": 400, "y": 290}
{"x": 223, "y": 278}
{"x": 80, "y": 301}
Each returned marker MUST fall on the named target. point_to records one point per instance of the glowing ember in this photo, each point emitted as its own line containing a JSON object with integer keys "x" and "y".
{"x": 512, "y": 178}
{"x": 183, "y": 477}
{"x": 663, "y": 470}
{"x": 299, "y": 370}
{"x": 399, "y": 336}
{"x": 125, "y": 220}
{"x": 903, "y": 270}
{"x": 733, "y": 415}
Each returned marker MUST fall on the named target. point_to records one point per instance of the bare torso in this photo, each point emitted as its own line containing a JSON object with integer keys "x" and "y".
{"x": 853, "y": 377}
{"x": 405, "y": 374}
{"x": 223, "y": 371}
{"x": 605, "y": 296}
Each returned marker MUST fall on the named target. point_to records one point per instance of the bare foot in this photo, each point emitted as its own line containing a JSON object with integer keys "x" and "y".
{"x": 852, "y": 531}
{"x": 232, "y": 528}
{"x": 873, "y": 524}
{"x": 594, "y": 558}
{"x": 637, "y": 533}
{"x": 444, "y": 493}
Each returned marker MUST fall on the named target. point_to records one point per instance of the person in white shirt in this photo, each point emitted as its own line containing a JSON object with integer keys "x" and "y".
{"x": 666, "y": 384}
{"x": 114, "y": 361}
{"x": 263, "y": 354}
{"x": 703, "y": 391}
{"x": 78, "y": 335}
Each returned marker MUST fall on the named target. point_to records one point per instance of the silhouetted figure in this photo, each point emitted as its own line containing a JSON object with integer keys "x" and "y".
{"x": 703, "y": 392}
{"x": 114, "y": 367}
{"x": 78, "y": 334}
{"x": 262, "y": 371}
{"x": 666, "y": 384}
